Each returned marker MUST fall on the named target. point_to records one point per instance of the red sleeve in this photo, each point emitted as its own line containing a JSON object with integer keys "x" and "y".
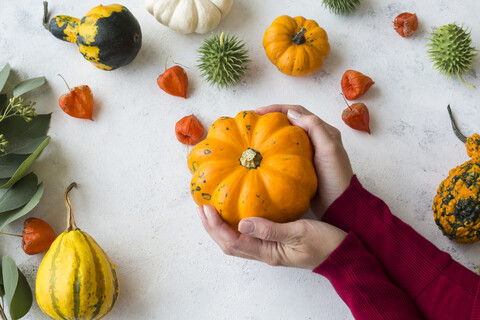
{"x": 440, "y": 287}
{"x": 363, "y": 285}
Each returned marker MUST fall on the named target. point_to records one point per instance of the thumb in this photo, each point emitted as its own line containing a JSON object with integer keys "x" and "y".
{"x": 267, "y": 230}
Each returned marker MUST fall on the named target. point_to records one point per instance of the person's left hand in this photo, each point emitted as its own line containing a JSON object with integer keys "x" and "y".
{"x": 302, "y": 243}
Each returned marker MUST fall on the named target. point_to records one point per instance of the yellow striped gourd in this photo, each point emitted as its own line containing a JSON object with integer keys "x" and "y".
{"x": 76, "y": 279}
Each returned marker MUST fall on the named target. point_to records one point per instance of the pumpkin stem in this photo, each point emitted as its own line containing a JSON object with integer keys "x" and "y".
{"x": 251, "y": 159}
{"x": 71, "y": 226}
{"x": 455, "y": 128}
{"x": 299, "y": 37}
{"x": 45, "y": 14}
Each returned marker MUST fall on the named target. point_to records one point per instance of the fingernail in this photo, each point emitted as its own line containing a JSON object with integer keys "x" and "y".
{"x": 294, "y": 115}
{"x": 260, "y": 109}
{"x": 246, "y": 227}
{"x": 200, "y": 213}
{"x": 206, "y": 211}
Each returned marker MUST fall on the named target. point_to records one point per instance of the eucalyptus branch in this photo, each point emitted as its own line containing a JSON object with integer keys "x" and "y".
{"x": 19, "y": 107}
{"x": 2, "y": 312}
{"x": 3, "y": 143}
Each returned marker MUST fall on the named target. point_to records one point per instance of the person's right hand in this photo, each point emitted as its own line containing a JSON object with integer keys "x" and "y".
{"x": 332, "y": 165}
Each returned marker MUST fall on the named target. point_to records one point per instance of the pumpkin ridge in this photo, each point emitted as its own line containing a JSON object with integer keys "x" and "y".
{"x": 292, "y": 180}
{"x": 233, "y": 181}
{"x": 253, "y": 181}
{"x": 193, "y": 15}
{"x": 213, "y": 142}
{"x": 104, "y": 257}
{"x": 246, "y": 122}
{"x": 278, "y": 201}
{"x": 201, "y": 187}
{"x": 99, "y": 277}
{"x": 267, "y": 126}
{"x": 76, "y": 285}
{"x": 270, "y": 145}
{"x": 234, "y": 136}
{"x": 53, "y": 269}
{"x": 115, "y": 286}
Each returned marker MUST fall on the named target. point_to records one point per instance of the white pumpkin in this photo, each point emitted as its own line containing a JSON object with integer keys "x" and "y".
{"x": 187, "y": 16}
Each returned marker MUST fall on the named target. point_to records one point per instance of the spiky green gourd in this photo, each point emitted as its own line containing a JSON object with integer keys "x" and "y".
{"x": 451, "y": 51}
{"x": 341, "y": 6}
{"x": 222, "y": 59}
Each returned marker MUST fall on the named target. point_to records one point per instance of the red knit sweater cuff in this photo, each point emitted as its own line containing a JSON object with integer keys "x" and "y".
{"x": 361, "y": 282}
{"x": 336, "y": 213}
{"x": 344, "y": 254}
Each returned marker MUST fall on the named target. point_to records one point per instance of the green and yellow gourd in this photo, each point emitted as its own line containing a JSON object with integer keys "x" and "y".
{"x": 107, "y": 36}
{"x": 76, "y": 279}
{"x": 456, "y": 206}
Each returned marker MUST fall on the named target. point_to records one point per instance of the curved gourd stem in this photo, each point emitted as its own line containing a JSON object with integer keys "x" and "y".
{"x": 299, "y": 37}
{"x": 455, "y": 128}
{"x": 71, "y": 226}
{"x": 45, "y": 14}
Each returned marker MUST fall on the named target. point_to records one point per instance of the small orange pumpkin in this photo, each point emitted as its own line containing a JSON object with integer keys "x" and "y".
{"x": 297, "y": 46}
{"x": 254, "y": 165}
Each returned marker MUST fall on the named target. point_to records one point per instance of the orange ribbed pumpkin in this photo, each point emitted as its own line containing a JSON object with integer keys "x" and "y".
{"x": 297, "y": 46}
{"x": 254, "y": 165}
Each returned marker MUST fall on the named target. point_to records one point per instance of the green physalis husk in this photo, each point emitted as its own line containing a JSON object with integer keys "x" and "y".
{"x": 222, "y": 59}
{"x": 451, "y": 51}
{"x": 341, "y": 6}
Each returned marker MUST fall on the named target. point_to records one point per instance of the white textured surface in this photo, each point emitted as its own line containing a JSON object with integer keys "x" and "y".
{"x": 134, "y": 195}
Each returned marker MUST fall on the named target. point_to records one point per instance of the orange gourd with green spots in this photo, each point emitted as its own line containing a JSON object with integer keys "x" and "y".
{"x": 297, "y": 46}
{"x": 456, "y": 206}
{"x": 254, "y": 165}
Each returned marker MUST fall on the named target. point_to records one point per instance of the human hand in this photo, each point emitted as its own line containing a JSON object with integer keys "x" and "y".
{"x": 331, "y": 162}
{"x": 302, "y": 243}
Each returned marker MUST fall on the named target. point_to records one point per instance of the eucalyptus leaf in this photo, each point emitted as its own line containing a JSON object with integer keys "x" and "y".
{"x": 9, "y": 164}
{"x": 28, "y": 85}
{"x": 3, "y": 102}
{"x": 10, "y": 277}
{"x": 25, "y": 165}
{"x": 23, "y": 136}
{"x": 10, "y": 216}
{"x": 23, "y": 145}
{"x": 20, "y": 193}
{"x": 4, "y": 76}
{"x": 18, "y": 293}
{"x": 2, "y": 289}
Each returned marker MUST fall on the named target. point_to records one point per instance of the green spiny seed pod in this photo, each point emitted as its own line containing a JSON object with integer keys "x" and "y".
{"x": 222, "y": 59}
{"x": 451, "y": 51}
{"x": 341, "y": 6}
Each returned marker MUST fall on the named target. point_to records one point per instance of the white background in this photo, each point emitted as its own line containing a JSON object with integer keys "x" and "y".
{"x": 133, "y": 195}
